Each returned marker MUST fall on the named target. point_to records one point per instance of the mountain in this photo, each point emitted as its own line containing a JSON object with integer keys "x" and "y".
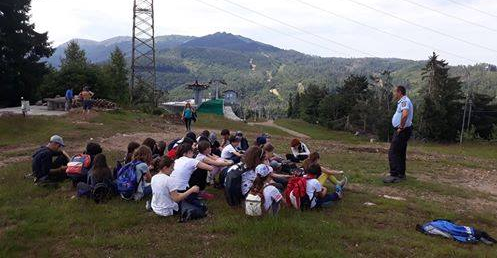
{"x": 254, "y": 69}
{"x": 98, "y": 52}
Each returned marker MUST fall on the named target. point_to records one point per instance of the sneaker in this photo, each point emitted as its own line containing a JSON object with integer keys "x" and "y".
{"x": 339, "y": 191}
{"x": 343, "y": 182}
{"x": 206, "y": 196}
{"x": 148, "y": 206}
{"x": 390, "y": 179}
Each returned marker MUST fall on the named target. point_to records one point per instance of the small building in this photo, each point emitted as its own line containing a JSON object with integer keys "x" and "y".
{"x": 230, "y": 97}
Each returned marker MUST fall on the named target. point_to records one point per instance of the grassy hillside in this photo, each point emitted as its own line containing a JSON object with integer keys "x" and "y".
{"x": 443, "y": 183}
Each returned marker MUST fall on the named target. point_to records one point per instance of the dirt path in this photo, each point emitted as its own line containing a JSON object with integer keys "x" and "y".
{"x": 289, "y": 131}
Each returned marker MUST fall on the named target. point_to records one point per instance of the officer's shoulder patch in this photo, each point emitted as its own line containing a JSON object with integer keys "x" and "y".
{"x": 404, "y": 103}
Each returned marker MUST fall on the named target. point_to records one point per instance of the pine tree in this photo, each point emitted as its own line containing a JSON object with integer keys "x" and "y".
{"x": 440, "y": 111}
{"x": 117, "y": 73}
{"x": 309, "y": 103}
{"x": 21, "y": 49}
{"x": 289, "y": 112}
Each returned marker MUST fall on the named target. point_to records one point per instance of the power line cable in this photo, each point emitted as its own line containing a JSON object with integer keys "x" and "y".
{"x": 385, "y": 32}
{"x": 272, "y": 29}
{"x": 467, "y": 6}
{"x": 422, "y": 26}
{"x": 450, "y": 15}
{"x": 301, "y": 30}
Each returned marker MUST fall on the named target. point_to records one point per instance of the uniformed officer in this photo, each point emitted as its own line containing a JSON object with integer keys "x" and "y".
{"x": 402, "y": 123}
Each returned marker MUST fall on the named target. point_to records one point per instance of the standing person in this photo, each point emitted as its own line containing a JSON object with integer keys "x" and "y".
{"x": 69, "y": 98}
{"x": 187, "y": 116}
{"x": 300, "y": 152}
{"x": 86, "y": 96}
{"x": 402, "y": 124}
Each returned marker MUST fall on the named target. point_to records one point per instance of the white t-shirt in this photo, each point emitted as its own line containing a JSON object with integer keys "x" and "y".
{"x": 313, "y": 186}
{"x": 247, "y": 181}
{"x": 183, "y": 169}
{"x": 271, "y": 195}
{"x": 162, "y": 204}
{"x": 200, "y": 157}
{"x": 228, "y": 151}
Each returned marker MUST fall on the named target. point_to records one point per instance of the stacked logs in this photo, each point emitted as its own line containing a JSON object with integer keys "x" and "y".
{"x": 97, "y": 103}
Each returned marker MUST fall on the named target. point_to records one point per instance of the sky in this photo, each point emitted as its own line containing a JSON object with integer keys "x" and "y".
{"x": 460, "y": 31}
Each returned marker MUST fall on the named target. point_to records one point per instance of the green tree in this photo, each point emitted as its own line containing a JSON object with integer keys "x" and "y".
{"x": 21, "y": 49}
{"x": 440, "y": 110}
{"x": 289, "y": 112}
{"x": 117, "y": 77}
{"x": 309, "y": 103}
{"x": 483, "y": 115}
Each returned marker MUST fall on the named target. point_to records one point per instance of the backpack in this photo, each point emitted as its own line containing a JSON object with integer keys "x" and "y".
{"x": 254, "y": 203}
{"x": 222, "y": 177}
{"x": 233, "y": 184}
{"x": 189, "y": 211}
{"x": 101, "y": 192}
{"x": 127, "y": 181}
{"x": 170, "y": 146}
{"x": 79, "y": 165}
{"x": 295, "y": 194}
{"x": 448, "y": 229}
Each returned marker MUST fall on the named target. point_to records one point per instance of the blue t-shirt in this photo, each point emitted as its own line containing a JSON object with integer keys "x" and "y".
{"x": 188, "y": 113}
{"x": 69, "y": 94}
{"x": 403, "y": 104}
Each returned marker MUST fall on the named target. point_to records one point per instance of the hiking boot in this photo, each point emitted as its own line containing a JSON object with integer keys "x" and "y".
{"x": 342, "y": 183}
{"x": 206, "y": 196}
{"x": 391, "y": 179}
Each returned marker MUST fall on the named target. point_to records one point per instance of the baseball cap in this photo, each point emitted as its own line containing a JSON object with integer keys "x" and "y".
{"x": 57, "y": 139}
{"x": 263, "y": 170}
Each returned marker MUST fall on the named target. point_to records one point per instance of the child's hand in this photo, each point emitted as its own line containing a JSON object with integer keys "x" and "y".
{"x": 195, "y": 189}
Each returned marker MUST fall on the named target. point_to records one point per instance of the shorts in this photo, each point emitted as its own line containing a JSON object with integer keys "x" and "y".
{"x": 87, "y": 104}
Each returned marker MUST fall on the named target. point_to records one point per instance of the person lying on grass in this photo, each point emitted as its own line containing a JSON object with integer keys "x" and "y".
{"x": 230, "y": 153}
{"x": 317, "y": 193}
{"x": 165, "y": 197}
{"x": 263, "y": 187}
{"x": 50, "y": 162}
{"x": 328, "y": 174}
{"x": 188, "y": 171}
{"x": 204, "y": 155}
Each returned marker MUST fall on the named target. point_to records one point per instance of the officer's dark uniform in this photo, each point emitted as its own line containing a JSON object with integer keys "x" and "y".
{"x": 398, "y": 146}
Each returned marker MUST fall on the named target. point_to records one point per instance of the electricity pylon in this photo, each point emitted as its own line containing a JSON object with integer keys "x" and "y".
{"x": 143, "y": 48}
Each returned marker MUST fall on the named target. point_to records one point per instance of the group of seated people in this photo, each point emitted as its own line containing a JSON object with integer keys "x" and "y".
{"x": 167, "y": 175}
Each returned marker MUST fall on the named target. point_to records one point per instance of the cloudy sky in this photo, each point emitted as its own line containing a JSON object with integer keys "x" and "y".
{"x": 462, "y": 31}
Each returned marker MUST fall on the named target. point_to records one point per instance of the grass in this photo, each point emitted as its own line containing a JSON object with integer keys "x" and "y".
{"x": 44, "y": 222}
{"x": 318, "y": 132}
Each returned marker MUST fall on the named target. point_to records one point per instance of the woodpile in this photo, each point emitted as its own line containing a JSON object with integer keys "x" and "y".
{"x": 97, "y": 103}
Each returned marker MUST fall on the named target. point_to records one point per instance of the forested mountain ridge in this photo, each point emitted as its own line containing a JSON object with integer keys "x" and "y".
{"x": 254, "y": 68}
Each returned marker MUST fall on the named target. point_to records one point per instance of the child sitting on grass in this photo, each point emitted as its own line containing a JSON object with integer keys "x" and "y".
{"x": 317, "y": 193}
{"x": 262, "y": 186}
{"x": 165, "y": 196}
{"x": 230, "y": 153}
{"x": 328, "y": 174}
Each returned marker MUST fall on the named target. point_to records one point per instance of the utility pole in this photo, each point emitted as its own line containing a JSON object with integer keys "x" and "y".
{"x": 463, "y": 119}
{"x": 143, "y": 48}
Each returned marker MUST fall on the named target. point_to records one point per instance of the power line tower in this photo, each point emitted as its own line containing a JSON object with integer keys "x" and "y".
{"x": 143, "y": 48}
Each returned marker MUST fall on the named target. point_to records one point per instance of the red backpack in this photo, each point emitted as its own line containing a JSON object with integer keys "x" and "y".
{"x": 79, "y": 165}
{"x": 296, "y": 193}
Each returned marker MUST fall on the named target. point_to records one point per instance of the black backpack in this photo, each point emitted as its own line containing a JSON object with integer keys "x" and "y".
{"x": 233, "y": 184}
{"x": 101, "y": 193}
{"x": 170, "y": 146}
{"x": 189, "y": 211}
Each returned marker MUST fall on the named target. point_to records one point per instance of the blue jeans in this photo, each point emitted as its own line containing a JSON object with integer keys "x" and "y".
{"x": 327, "y": 200}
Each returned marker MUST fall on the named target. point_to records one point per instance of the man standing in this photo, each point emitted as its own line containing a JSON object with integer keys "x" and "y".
{"x": 402, "y": 123}
{"x": 69, "y": 98}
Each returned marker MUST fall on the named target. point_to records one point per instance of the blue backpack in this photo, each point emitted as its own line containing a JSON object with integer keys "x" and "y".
{"x": 448, "y": 229}
{"x": 127, "y": 181}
